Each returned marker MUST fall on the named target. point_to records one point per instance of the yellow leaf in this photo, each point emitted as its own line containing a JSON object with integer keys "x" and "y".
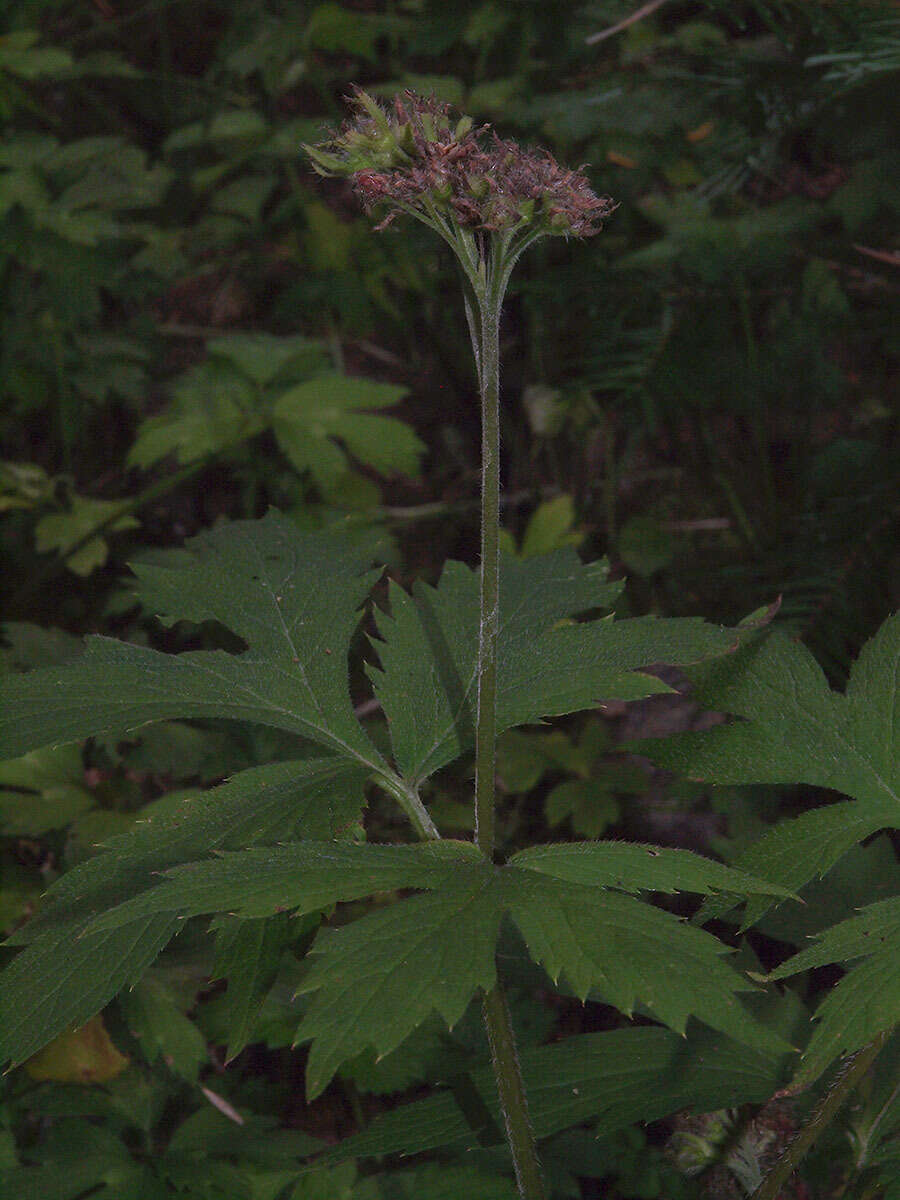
{"x": 85, "y": 1055}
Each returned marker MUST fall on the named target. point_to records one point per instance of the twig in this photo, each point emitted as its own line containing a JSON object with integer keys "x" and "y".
{"x": 644, "y": 11}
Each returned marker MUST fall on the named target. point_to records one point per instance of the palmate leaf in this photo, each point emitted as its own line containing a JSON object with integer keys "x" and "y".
{"x": 546, "y": 664}
{"x": 375, "y": 980}
{"x": 796, "y": 730}
{"x": 867, "y": 1000}
{"x": 292, "y": 596}
{"x": 69, "y": 971}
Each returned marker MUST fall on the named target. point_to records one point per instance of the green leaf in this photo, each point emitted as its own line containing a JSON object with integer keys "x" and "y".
{"x": 42, "y": 791}
{"x": 300, "y": 877}
{"x": 551, "y": 526}
{"x": 70, "y": 971}
{"x": 62, "y": 531}
{"x": 632, "y": 868}
{"x": 622, "y": 1076}
{"x": 60, "y": 981}
{"x": 867, "y": 1000}
{"x": 293, "y": 596}
{"x": 316, "y": 797}
{"x": 213, "y": 408}
{"x": 248, "y": 955}
{"x": 156, "y": 1021}
{"x": 262, "y": 356}
{"x": 374, "y": 981}
{"x": 796, "y": 730}
{"x": 309, "y": 416}
{"x": 546, "y": 665}
{"x": 630, "y": 953}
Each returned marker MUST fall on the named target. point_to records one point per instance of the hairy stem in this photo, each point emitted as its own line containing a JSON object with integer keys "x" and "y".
{"x": 489, "y": 286}
{"x": 854, "y": 1070}
{"x": 489, "y": 614}
{"x": 513, "y": 1100}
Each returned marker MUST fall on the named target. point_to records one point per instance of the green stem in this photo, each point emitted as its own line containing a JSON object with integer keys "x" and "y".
{"x": 853, "y": 1072}
{"x": 489, "y": 605}
{"x": 513, "y": 1100}
{"x": 489, "y": 286}
{"x": 409, "y": 800}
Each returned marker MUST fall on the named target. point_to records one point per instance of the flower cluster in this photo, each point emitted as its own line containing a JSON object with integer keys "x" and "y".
{"x": 415, "y": 158}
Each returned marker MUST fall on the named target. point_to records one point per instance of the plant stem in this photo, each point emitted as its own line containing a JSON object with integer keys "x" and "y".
{"x": 513, "y": 1101}
{"x": 853, "y": 1072}
{"x": 489, "y": 285}
{"x": 489, "y": 606}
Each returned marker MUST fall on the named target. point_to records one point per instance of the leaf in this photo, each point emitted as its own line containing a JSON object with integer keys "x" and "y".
{"x": 307, "y": 417}
{"x": 212, "y": 409}
{"x": 85, "y": 1055}
{"x": 796, "y": 730}
{"x": 62, "y": 531}
{"x": 588, "y": 804}
{"x": 545, "y": 666}
{"x": 867, "y": 1000}
{"x": 621, "y": 1076}
{"x": 70, "y": 972}
{"x": 631, "y": 953}
{"x": 374, "y": 981}
{"x": 262, "y": 357}
{"x": 293, "y": 596}
{"x": 631, "y": 868}
{"x": 300, "y": 877}
{"x": 248, "y": 955}
{"x": 318, "y": 797}
{"x": 155, "y": 1020}
{"x": 42, "y": 791}
{"x": 58, "y": 982}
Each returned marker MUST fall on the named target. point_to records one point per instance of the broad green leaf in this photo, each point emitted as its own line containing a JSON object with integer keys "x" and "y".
{"x": 867, "y": 1000}
{"x": 59, "y": 981}
{"x": 796, "y": 730}
{"x": 547, "y": 665}
{"x": 213, "y": 407}
{"x": 632, "y": 868}
{"x": 799, "y": 850}
{"x": 315, "y": 797}
{"x": 309, "y": 416}
{"x": 262, "y": 356}
{"x": 300, "y": 876}
{"x": 620, "y": 1077}
{"x": 155, "y": 1019}
{"x": 374, "y": 981}
{"x": 62, "y": 531}
{"x": 630, "y": 953}
{"x": 293, "y": 596}
{"x": 248, "y": 955}
{"x": 42, "y": 791}
{"x": 69, "y": 972}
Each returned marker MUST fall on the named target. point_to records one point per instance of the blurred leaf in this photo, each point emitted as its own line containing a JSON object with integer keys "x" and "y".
{"x": 86, "y": 1055}
{"x": 42, "y": 791}
{"x": 155, "y": 1019}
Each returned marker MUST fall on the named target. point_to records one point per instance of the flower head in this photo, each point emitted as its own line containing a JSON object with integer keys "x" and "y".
{"x": 414, "y": 157}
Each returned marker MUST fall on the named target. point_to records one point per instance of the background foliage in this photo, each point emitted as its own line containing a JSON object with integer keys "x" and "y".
{"x": 195, "y": 328}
